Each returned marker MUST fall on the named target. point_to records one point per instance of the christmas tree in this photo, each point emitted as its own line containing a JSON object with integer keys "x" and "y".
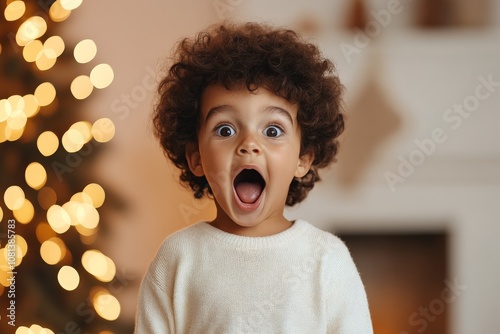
{"x": 53, "y": 278}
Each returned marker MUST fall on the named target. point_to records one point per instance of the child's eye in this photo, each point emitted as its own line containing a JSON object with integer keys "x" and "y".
{"x": 224, "y": 131}
{"x": 273, "y": 131}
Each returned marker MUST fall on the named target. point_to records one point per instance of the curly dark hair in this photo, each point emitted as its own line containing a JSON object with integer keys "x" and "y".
{"x": 251, "y": 55}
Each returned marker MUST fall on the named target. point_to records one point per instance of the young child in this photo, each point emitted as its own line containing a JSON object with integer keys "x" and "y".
{"x": 249, "y": 114}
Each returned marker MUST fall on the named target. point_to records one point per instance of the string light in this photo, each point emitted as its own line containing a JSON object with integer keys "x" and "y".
{"x": 16, "y": 113}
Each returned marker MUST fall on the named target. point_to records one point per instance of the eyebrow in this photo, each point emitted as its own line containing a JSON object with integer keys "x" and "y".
{"x": 271, "y": 109}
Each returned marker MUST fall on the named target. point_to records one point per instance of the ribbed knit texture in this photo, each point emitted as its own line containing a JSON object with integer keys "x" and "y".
{"x": 204, "y": 280}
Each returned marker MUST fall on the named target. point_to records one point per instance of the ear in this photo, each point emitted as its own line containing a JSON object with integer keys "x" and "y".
{"x": 194, "y": 159}
{"x": 304, "y": 164}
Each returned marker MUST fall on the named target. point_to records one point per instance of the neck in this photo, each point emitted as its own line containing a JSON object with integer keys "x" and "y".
{"x": 266, "y": 227}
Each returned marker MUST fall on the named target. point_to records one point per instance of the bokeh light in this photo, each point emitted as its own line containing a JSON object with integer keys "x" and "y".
{"x": 72, "y": 140}
{"x": 32, "y": 50}
{"x": 68, "y": 278}
{"x": 102, "y": 76}
{"x": 14, "y": 197}
{"x": 70, "y": 4}
{"x": 106, "y": 305}
{"x": 96, "y": 193}
{"x": 103, "y": 130}
{"x": 14, "y": 10}
{"x": 85, "y": 51}
{"x": 31, "y": 29}
{"x": 81, "y": 87}
{"x": 25, "y": 213}
{"x": 45, "y": 94}
{"x": 53, "y": 250}
{"x": 31, "y": 106}
{"x": 58, "y": 13}
{"x": 35, "y": 175}
{"x": 99, "y": 265}
{"x": 58, "y": 218}
{"x": 47, "y": 143}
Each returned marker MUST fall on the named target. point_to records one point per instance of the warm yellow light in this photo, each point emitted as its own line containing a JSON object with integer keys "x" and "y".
{"x": 31, "y": 106}
{"x": 68, "y": 278}
{"x": 90, "y": 219}
{"x": 25, "y": 213}
{"x": 106, "y": 305}
{"x": 47, "y": 143}
{"x": 44, "y": 232}
{"x": 72, "y": 140}
{"x": 71, "y": 4}
{"x": 58, "y": 13}
{"x": 5, "y": 110}
{"x": 54, "y": 46}
{"x": 45, "y": 93}
{"x": 23, "y": 330}
{"x": 32, "y": 50}
{"x": 103, "y": 130}
{"x": 14, "y": 197}
{"x": 34, "y": 329}
{"x": 58, "y": 218}
{"x": 13, "y": 134}
{"x": 96, "y": 192}
{"x": 85, "y": 51}
{"x": 3, "y": 130}
{"x": 87, "y": 232}
{"x": 81, "y": 87}
{"x": 14, "y": 10}
{"x": 31, "y": 29}
{"x": 53, "y": 250}
{"x": 17, "y": 120}
{"x": 102, "y": 76}
{"x": 35, "y": 175}
{"x": 95, "y": 262}
{"x": 47, "y": 197}
{"x": 15, "y": 106}
{"x": 84, "y": 128}
{"x": 1, "y": 214}
{"x": 22, "y": 244}
{"x": 46, "y": 60}
{"x": 82, "y": 197}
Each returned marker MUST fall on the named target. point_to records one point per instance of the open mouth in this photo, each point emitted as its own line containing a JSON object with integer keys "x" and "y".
{"x": 249, "y": 185}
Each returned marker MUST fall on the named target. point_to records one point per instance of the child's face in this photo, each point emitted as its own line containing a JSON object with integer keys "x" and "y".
{"x": 241, "y": 130}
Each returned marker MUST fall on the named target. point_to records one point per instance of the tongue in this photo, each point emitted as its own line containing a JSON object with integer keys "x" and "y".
{"x": 248, "y": 192}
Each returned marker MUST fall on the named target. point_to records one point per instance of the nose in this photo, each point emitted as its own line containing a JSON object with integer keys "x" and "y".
{"x": 249, "y": 145}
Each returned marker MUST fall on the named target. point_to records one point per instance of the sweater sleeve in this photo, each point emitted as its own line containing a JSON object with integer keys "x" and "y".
{"x": 154, "y": 312}
{"x": 348, "y": 304}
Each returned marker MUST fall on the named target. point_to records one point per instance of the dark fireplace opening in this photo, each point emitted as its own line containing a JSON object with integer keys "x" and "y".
{"x": 405, "y": 275}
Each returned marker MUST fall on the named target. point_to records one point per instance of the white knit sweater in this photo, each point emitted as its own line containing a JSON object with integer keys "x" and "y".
{"x": 204, "y": 280}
